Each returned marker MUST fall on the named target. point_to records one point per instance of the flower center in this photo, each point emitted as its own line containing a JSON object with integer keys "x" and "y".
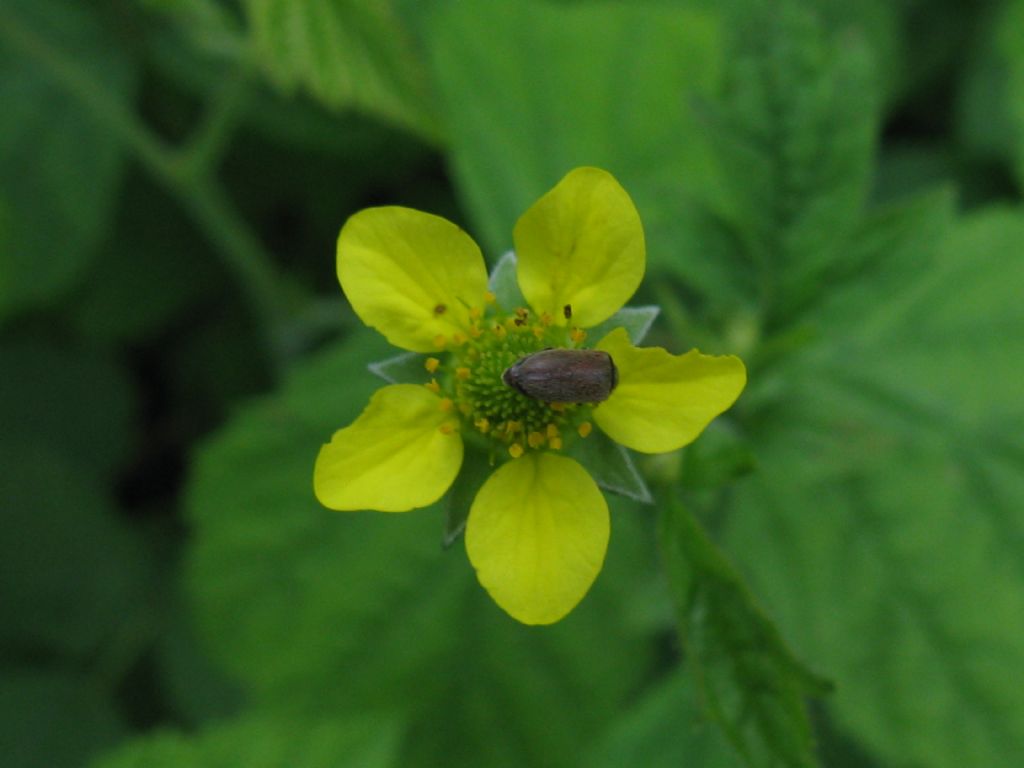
{"x": 494, "y": 414}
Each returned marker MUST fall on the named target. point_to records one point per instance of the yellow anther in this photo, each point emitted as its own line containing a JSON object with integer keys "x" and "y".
{"x": 557, "y": 407}
{"x": 522, "y": 312}
{"x": 475, "y": 331}
{"x": 440, "y": 342}
{"x": 535, "y": 439}
{"x": 545, "y": 318}
{"x": 516, "y": 450}
{"x": 552, "y": 431}
{"x": 489, "y": 297}
{"x": 577, "y": 335}
{"x": 482, "y": 424}
{"x": 555, "y": 443}
{"x": 512, "y": 426}
{"x": 447, "y": 404}
{"x": 431, "y": 364}
{"x": 500, "y": 332}
{"x": 475, "y": 313}
{"x": 433, "y": 386}
{"x": 585, "y": 428}
{"x": 458, "y": 339}
{"x": 447, "y": 428}
{"x": 538, "y": 331}
{"x": 462, "y": 373}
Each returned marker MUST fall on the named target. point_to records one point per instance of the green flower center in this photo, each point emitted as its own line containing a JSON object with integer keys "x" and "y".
{"x": 494, "y": 414}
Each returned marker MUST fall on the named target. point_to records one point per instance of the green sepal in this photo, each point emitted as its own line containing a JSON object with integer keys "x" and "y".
{"x": 611, "y": 466}
{"x": 406, "y": 368}
{"x": 636, "y": 320}
{"x": 476, "y": 468}
{"x": 504, "y": 283}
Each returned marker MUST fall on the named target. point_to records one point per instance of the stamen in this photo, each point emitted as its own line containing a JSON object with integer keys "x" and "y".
{"x": 516, "y": 450}
{"x": 585, "y": 428}
{"x": 458, "y": 339}
{"x": 475, "y": 313}
{"x": 555, "y": 443}
{"x": 447, "y": 428}
{"x": 440, "y": 342}
{"x": 552, "y": 431}
{"x": 433, "y": 386}
{"x": 431, "y": 364}
{"x": 535, "y": 439}
{"x": 462, "y": 373}
{"x": 447, "y": 404}
{"x": 489, "y": 297}
{"x": 482, "y": 424}
{"x": 577, "y": 335}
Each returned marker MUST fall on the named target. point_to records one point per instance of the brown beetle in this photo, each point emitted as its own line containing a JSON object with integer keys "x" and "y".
{"x": 564, "y": 375}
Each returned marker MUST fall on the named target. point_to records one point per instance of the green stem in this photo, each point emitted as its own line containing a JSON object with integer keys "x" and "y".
{"x": 187, "y": 175}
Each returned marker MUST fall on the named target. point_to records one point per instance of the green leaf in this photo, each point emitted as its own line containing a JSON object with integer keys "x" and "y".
{"x": 53, "y": 718}
{"x": 795, "y": 134}
{"x": 531, "y": 90}
{"x": 751, "y": 682}
{"x": 663, "y": 729}
{"x": 325, "y": 611}
{"x": 884, "y": 528}
{"x": 77, "y": 402}
{"x": 72, "y": 575}
{"x": 347, "y": 54}
{"x": 59, "y": 166}
{"x": 266, "y": 741}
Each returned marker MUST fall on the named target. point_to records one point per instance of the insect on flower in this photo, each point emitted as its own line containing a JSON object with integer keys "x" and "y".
{"x": 564, "y": 375}
{"x": 503, "y": 373}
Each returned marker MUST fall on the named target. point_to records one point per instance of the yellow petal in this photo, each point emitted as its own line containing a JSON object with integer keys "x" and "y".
{"x": 411, "y": 275}
{"x": 581, "y": 245}
{"x": 537, "y": 536}
{"x": 393, "y": 458}
{"x": 663, "y": 401}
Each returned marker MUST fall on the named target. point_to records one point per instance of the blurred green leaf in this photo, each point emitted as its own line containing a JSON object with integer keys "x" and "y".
{"x": 794, "y": 134}
{"x": 59, "y": 166}
{"x": 327, "y": 611}
{"x": 77, "y": 402}
{"x": 53, "y": 719}
{"x": 193, "y": 684}
{"x": 149, "y": 271}
{"x": 265, "y": 741}
{"x": 663, "y": 729}
{"x": 72, "y": 576}
{"x": 750, "y": 682}
{"x": 885, "y": 526}
{"x": 532, "y": 90}
{"x": 348, "y": 54}
{"x": 1009, "y": 43}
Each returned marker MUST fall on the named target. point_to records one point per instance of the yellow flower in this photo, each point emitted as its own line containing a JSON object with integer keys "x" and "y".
{"x": 538, "y": 527}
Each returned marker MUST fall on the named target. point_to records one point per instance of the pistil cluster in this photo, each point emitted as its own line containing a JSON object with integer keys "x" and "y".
{"x": 467, "y": 375}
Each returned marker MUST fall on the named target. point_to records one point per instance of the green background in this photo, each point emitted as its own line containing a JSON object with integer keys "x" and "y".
{"x": 832, "y": 575}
